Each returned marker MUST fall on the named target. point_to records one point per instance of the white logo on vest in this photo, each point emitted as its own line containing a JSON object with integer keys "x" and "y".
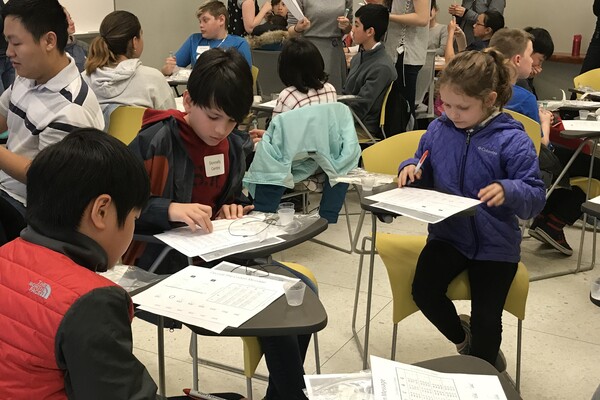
{"x": 42, "y": 289}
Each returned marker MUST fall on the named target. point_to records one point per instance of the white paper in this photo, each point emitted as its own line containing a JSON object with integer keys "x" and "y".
{"x": 355, "y": 176}
{"x": 227, "y": 234}
{"x": 393, "y": 380}
{"x": 595, "y": 200}
{"x": 294, "y": 9}
{"x": 355, "y": 386}
{"x": 423, "y": 205}
{"x": 578, "y": 125}
{"x": 269, "y": 104}
{"x": 208, "y": 298}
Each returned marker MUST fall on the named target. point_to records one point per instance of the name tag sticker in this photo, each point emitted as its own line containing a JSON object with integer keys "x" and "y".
{"x": 202, "y": 49}
{"x": 214, "y": 165}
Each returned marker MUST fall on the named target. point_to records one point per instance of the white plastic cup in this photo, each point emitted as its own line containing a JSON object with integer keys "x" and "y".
{"x": 286, "y": 216}
{"x": 287, "y": 204}
{"x": 595, "y": 291}
{"x": 294, "y": 293}
{"x": 367, "y": 183}
{"x": 583, "y": 114}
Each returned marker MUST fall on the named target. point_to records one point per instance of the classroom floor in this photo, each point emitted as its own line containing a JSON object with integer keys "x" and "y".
{"x": 561, "y": 340}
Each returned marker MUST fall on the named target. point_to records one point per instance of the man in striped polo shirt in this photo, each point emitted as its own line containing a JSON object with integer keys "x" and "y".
{"x": 47, "y": 100}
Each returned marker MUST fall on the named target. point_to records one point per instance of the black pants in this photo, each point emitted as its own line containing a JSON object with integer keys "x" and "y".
{"x": 407, "y": 81}
{"x": 592, "y": 57}
{"x": 285, "y": 359}
{"x": 565, "y": 204}
{"x": 439, "y": 263}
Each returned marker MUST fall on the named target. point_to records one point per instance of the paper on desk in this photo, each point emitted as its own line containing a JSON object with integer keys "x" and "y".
{"x": 294, "y": 9}
{"x": 393, "y": 380}
{"x": 355, "y": 176}
{"x": 424, "y": 205}
{"x": 595, "y": 200}
{"x": 208, "y": 298}
{"x": 237, "y": 269}
{"x": 354, "y": 386}
{"x": 269, "y": 104}
{"x": 578, "y": 125}
{"x": 221, "y": 240}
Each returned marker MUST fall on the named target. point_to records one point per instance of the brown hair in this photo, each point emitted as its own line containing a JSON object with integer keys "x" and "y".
{"x": 214, "y": 8}
{"x": 117, "y": 31}
{"x": 510, "y": 42}
{"x": 478, "y": 73}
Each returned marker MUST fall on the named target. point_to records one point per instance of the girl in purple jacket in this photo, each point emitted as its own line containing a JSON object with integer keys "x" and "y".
{"x": 475, "y": 151}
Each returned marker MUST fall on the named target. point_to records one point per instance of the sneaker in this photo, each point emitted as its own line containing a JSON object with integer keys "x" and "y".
{"x": 554, "y": 237}
{"x": 532, "y": 229}
{"x": 465, "y": 322}
{"x": 500, "y": 363}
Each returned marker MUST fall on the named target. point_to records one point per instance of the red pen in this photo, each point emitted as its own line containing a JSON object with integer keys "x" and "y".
{"x": 421, "y": 161}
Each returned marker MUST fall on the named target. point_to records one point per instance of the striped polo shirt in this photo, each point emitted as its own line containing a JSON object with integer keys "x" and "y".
{"x": 40, "y": 115}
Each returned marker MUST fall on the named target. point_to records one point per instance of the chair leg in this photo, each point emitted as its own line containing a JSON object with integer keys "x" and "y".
{"x": 356, "y": 297}
{"x": 194, "y": 352}
{"x": 394, "y": 338}
{"x": 519, "y": 342}
{"x": 249, "y": 388}
{"x": 317, "y": 357}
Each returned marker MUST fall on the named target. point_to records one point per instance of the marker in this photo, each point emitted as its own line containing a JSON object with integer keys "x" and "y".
{"x": 421, "y": 161}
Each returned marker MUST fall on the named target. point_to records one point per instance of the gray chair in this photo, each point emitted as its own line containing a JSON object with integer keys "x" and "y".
{"x": 268, "y": 79}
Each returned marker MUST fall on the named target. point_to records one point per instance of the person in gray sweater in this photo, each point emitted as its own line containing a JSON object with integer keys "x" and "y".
{"x": 371, "y": 70}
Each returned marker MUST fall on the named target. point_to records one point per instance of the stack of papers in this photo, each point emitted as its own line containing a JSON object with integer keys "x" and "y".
{"x": 578, "y": 125}
{"x": 423, "y": 205}
{"x": 228, "y": 237}
{"x": 212, "y": 299}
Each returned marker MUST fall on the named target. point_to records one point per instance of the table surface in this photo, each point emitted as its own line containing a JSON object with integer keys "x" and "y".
{"x": 579, "y": 134}
{"x": 279, "y": 318}
{"x": 590, "y": 208}
{"x": 470, "y": 365}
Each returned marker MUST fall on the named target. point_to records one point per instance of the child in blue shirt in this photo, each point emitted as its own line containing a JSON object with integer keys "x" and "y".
{"x": 479, "y": 152}
{"x": 213, "y": 18}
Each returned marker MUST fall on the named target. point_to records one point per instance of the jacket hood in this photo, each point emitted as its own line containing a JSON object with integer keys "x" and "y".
{"x": 271, "y": 37}
{"x": 110, "y": 82}
{"x": 151, "y": 116}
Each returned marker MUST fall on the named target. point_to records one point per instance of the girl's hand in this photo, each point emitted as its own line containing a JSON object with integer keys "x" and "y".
{"x": 343, "y": 23}
{"x": 408, "y": 174}
{"x": 492, "y": 195}
{"x": 256, "y": 135}
{"x": 302, "y": 25}
{"x": 233, "y": 211}
{"x": 456, "y": 10}
{"x": 192, "y": 214}
{"x": 266, "y": 7}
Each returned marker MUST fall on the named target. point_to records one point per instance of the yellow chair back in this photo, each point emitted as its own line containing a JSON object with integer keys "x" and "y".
{"x": 255, "y": 72}
{"x": 532, "y": 128}
{"x": 385, "y": 156}
{"x": 383, "y": 105}
{"x": 588, "y": 79}
{"x": 125, "y": 123}
{"x": 400, "y": 254}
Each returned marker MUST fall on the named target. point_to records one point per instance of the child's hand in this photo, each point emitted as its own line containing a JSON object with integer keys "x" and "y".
{"x": 169, "y": 67}
{"x": 191, "y": 214}
{"x": 302, "y": 25}
{"x": 267, "y": 7}
{"x": 546, "y": 117}
{"x": 343, "y": 23}
{"x": 456, "y": 10}
{"x": 233, "y": 211}
{"x": 256, "y": 135}
{"x": 408, "y": 174}
{"x": 492, "y": 195}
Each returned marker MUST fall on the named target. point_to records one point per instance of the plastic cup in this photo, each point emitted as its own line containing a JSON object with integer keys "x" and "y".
{"x": 256, "y": 100}
{"x": 367, "y": 183}
{"x": 583, "y": 114}
{"x": 294, "y": 292}
{"x": 287, "y": 204}
{"x": 286, "y": 216}
{"x": 595, "y": 291}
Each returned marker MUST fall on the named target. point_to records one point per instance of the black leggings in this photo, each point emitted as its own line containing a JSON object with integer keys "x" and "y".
{"x": 439, "y": 263}
{"x": 407, "y": 81}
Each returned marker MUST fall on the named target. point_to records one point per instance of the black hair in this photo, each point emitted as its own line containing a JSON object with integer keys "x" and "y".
{"x": 117, "y": 31}
{"x": 374, "y": 16}
{"x": 40, "y": 17}
{"x": 66, "y": 177}
{"x": 222, "y": 79}
{"x": 542, "y": 41}
{"x": 493, "y": 20}
{"x": 434, "y": 5}
{"x": 301, "y": 65}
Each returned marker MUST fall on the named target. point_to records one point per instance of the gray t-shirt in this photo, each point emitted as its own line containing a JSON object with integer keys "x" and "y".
{"x": 414, "y": 38}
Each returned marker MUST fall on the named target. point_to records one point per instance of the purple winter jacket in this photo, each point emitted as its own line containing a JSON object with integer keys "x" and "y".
{"x": 461, "y": 162}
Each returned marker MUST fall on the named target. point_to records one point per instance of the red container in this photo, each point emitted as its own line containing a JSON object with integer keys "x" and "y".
{"x": 576, "y": 50}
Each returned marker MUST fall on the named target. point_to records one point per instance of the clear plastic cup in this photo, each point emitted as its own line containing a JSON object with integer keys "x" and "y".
{"x": 287, "y": 204}
{"x": 595, "y": 290}
{"x": 583, "y": 114}
{"x": 294, "y": 292}
{"x": 286, "y": 216}
{"x": 367, "y": 183}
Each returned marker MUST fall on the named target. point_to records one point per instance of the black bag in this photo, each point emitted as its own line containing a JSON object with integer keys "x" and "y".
{"x": 551, "y": 167}
{"x": 397, "y": 113}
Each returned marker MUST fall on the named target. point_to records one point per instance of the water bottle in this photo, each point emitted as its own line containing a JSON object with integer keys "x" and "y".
{"x": 575, "y": 51}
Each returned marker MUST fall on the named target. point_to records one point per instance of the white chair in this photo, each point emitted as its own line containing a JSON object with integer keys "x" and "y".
{"x": 426, "y": 84}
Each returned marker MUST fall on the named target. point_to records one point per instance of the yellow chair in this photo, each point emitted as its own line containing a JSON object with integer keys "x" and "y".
{"x": 589, "y": 79}
{"x": 125, "y": 123}
{"x": 255, "y": 72}
{"x": 400, "y": 254}
{"x": 532, "y": 128}
{"x": 364, "y": 136}
{"x": 252, "y": 350}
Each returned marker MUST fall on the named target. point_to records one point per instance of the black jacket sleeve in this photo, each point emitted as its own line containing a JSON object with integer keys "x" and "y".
{"x": 94, "y": 347}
